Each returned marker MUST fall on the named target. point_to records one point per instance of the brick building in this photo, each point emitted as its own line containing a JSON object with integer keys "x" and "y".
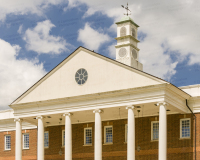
{"x": 92, "y": 107}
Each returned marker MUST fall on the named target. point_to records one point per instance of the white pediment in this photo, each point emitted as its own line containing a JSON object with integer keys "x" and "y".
{"x": 104, "y": 75}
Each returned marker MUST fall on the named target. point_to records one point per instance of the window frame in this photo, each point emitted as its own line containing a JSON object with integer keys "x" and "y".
{"x": 181, "y": 120}
{"x": 6, "y": 149}
{"x": 85, "y": 136}
{"x": 28, "y": 140}
{"x": 48, "y": 139}
{"x": 152, "y": 122}
{"x": 126, "y": 133}
{"x": 110, "y": 126}
{"x": 63, "y": 139}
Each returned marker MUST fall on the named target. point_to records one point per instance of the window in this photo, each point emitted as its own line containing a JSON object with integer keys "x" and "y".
{"x": 26, "y": 141}
{"x": 63, "y": 138}
{"x": 7, "y": 142}
{"x": 87, "y": 136}
{"x": 46, "y": 139}
{"x": 185, "y": 128}
{"x": 154, "y": 130}
{"x": 122, "y": 32}
{"x": 108, "y": 134}
{"x": 126, "y": 132}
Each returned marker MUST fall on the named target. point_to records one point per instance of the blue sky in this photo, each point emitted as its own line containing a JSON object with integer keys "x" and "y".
{"x": 37, "y": 35}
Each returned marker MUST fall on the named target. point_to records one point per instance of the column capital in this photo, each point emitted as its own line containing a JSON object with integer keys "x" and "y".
{"x": 162, "y": 103}
{"x": 130, "y": 107}
{"x": 40, "y": 117}
{"x": 18, "y": 120}
{"x": 98, "y": 111}
{"x": 68, "y": 114}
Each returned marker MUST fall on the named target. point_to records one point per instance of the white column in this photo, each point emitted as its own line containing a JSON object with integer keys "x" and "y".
{"x": 162, "y": 132}
{"x": 18, "y": 139}
{"x": 40, "y": 138}
{"x": 68, "y": 136}
{"x": 131, "y": 134}
{"x": 98, "y": 136}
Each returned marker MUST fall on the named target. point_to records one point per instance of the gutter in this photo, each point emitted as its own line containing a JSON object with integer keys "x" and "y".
{"x": 195, "y": 137}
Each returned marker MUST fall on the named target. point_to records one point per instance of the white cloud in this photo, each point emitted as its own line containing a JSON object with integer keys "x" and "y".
{"x": 91, "y": 38}
{"x": 39, "y": 39}
{"x": 20, "y": 29}
{"x": 174, "y": 24}
{"x": 23, "y": 7}
{"x": 17, "y": 75}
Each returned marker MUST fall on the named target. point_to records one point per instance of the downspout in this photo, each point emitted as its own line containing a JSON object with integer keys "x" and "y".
{"x": 194, "y": 129}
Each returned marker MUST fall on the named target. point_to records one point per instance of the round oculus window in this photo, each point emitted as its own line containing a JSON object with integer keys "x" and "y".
{"x": 81, "y": 76}
{"x": 122, "y": 52}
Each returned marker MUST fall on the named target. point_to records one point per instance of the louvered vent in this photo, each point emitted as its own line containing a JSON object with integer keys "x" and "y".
{"x": 122, "y": 32}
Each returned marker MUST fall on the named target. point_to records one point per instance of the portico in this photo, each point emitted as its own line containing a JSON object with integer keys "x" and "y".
{"x": 103, "y": 107}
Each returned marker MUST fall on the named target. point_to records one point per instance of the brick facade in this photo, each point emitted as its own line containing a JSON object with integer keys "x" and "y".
{"x": 177, "y": 148}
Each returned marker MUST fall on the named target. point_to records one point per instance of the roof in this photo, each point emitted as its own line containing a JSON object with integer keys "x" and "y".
{"x": 127, "y": 19}
{"x": 104, "y": 57}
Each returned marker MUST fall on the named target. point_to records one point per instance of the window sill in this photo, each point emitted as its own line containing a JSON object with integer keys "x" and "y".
{"x": 154, "y": 140}
{"x": 108, "y": 144}
{"x": 46, "y": 147}
{"x": 7, "y": 150}
{"x": 87, "y": 145}
{"x": 184, "y": 138}
{"x": 25, "y": 149}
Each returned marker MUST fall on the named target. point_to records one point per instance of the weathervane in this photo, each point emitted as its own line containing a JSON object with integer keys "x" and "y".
{"x": 127, "y": 9}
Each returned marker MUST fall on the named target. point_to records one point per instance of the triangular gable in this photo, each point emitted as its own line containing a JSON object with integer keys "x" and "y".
{"x": 104, "y": 74}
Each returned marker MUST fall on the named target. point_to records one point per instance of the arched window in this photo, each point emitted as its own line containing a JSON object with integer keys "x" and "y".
{"x": 134, "y": 54}
{"x": 133, "y": 32}
{"x": 122, "y": 32}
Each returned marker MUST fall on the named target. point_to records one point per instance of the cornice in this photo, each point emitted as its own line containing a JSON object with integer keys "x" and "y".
{"x": 127, "y": 44}
{"x": 127, "y": 36}
{"x": 143, "y": 89}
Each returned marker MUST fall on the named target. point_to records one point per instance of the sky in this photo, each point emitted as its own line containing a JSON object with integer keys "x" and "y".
{"x": 37, "y": 35}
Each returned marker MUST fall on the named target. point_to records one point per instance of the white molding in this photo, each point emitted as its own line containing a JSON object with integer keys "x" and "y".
{"x": 181, "y": 128}
{"x": 85, "y": 136}
{"x": 108, "y": 126}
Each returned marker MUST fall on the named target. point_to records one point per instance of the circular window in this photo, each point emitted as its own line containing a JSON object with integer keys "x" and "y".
{"x": 134, "y": 53}
{"x": 122, "y": 52}
{"x": 81, "y": 76}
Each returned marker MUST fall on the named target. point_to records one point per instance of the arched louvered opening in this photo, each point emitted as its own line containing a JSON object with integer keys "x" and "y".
{"x": 134, "y": 54}
{"x": 133, "y": 32}
{"x": 122, "y": 32}
{"x": 122, "y": 52}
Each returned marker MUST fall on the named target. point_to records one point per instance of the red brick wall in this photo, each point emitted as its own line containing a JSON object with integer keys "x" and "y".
{"x": 177, "y": 149}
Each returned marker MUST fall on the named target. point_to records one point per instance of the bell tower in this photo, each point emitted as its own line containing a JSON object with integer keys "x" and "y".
{"x": 126, "y": 48}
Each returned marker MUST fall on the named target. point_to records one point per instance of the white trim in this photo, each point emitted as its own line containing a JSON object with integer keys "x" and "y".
{"x": 152, "y": 122}
{"x": 183, "y": 119}
{"x": 63, "y": 133}
{"x": 126, "y": 127}
{"x": 105, "y": 134}
{"x": 48, "y": 139}
{"x": 5, "y": 142}
{"x": 28, "y": 140}
{"x": 85, "y": 136}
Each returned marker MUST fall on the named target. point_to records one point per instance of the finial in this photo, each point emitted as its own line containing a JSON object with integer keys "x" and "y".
{"x": 127, "y": 9}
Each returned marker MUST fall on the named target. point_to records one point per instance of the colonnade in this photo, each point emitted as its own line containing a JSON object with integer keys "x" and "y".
{"x": 98, "y": 135}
